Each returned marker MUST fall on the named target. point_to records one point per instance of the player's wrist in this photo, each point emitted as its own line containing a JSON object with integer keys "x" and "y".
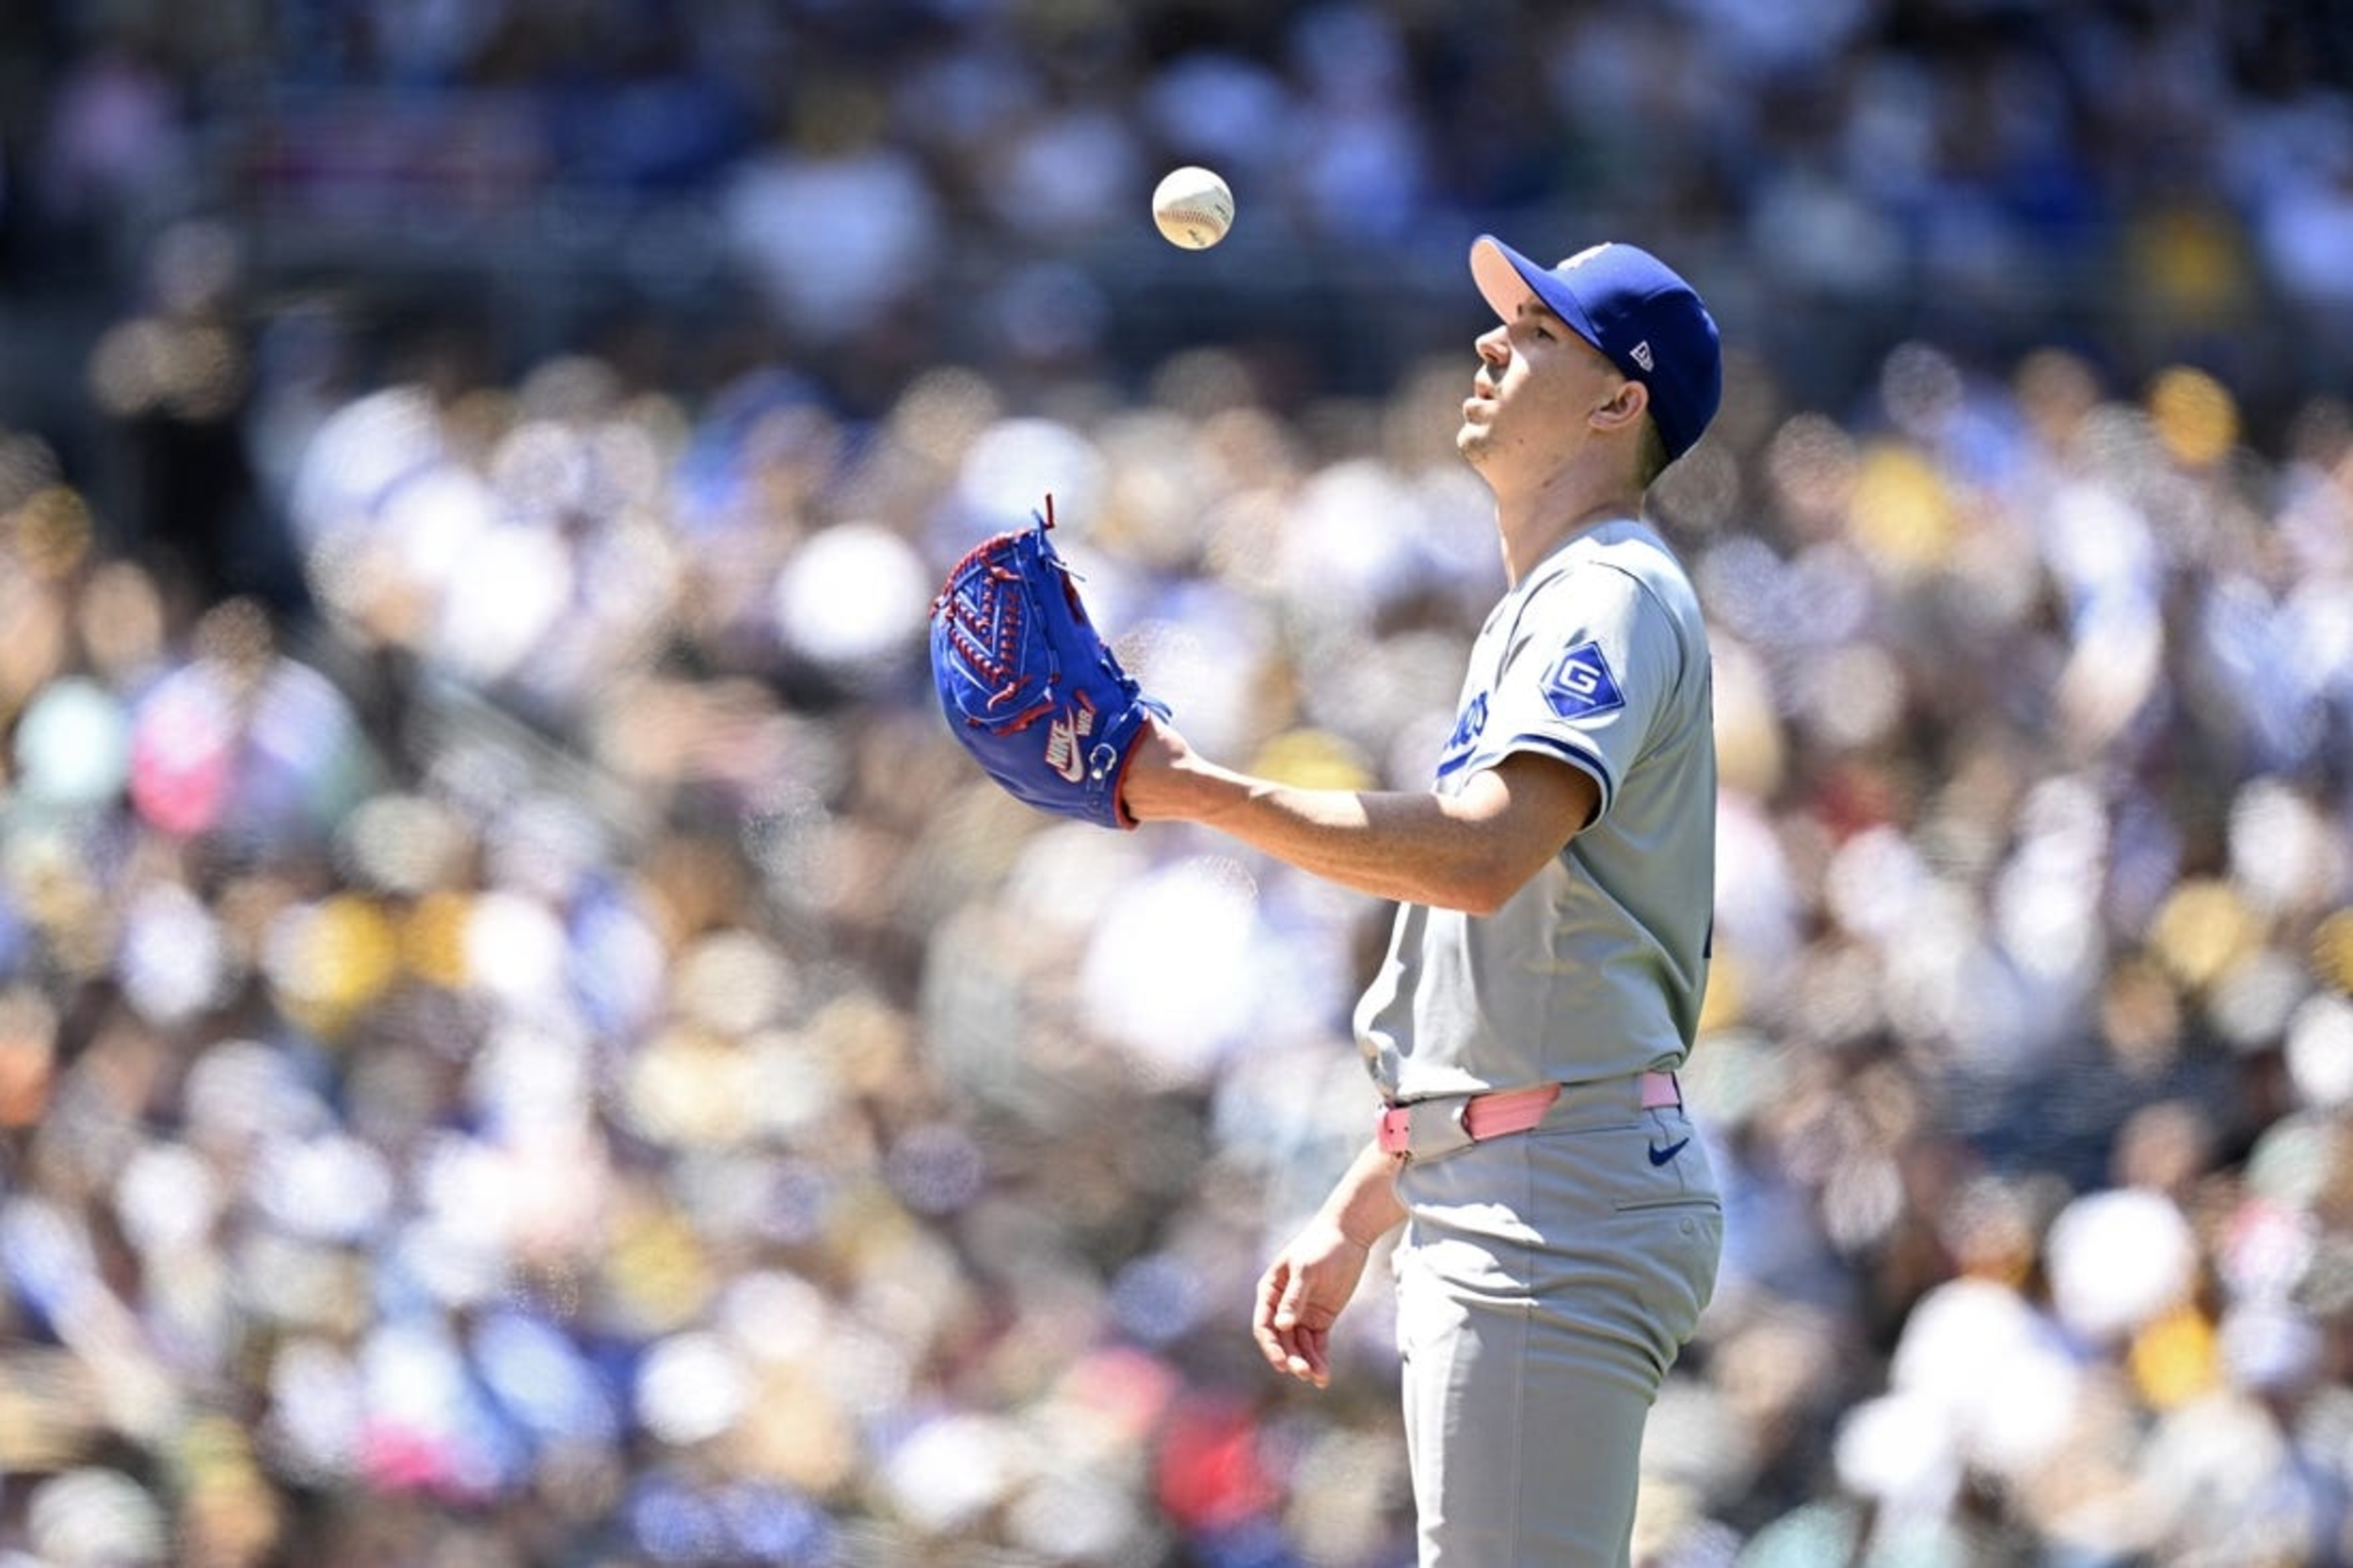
{"x": 1168, "y": 781}
{"x": 1146, "y": 790}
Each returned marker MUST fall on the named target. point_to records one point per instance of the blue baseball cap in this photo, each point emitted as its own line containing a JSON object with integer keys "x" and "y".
{"x": 1633, "y": 307}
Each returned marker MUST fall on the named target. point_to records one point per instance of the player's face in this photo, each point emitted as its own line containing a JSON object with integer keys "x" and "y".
{"x": 1537, "y": 386}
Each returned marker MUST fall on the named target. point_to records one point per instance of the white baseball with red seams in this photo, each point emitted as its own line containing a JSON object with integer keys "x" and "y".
{"x": 1193, "y": 207}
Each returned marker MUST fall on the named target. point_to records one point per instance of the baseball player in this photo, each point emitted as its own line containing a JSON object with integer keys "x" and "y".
{"x": 1555, "y": 889}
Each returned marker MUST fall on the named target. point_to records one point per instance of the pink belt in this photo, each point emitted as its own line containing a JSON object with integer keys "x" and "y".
{"x": 1451, "y": 1123}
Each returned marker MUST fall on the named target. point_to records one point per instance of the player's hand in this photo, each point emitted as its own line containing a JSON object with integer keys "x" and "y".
{"x": 1300, "y": 1298}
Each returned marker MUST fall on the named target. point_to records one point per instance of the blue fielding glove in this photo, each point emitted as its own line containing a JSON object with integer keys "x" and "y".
{"x": 1028, "y": 687}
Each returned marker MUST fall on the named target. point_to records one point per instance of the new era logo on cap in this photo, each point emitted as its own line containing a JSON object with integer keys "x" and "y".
{"x": 1636, "y": 310}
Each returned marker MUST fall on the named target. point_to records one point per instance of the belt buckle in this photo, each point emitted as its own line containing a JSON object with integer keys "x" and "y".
{"x": 1444, "y": 1128}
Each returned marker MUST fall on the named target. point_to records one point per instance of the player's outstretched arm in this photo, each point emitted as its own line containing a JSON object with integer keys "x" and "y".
{"x": 1302, "y": 1292}
{"x": 1469, "y": 851}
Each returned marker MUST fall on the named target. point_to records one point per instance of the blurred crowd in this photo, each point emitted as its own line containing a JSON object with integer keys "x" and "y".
{"x": 522, "y": 1042}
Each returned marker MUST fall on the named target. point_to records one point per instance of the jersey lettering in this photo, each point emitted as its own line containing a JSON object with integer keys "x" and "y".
{"x": 1468, "y": 726}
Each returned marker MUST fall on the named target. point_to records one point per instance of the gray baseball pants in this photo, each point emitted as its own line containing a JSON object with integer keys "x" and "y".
{"x": 1546, "y": 1281}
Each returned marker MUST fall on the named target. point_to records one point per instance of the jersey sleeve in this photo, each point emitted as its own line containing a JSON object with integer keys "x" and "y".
{"x": 1585, "y": 674}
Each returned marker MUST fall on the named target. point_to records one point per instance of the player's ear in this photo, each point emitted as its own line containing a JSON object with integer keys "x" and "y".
{"x": 1627, "y": 403}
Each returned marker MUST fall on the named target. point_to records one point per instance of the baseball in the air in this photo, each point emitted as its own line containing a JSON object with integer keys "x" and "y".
{"x": 1193, "y": 207}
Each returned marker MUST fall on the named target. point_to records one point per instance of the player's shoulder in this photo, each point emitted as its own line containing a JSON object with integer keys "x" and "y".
{"x": 1622, "y": 558}
{"x": 1630, "y": 544}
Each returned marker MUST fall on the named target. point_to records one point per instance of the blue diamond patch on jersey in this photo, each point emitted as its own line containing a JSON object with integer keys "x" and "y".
{"x": 1581, "y": 684}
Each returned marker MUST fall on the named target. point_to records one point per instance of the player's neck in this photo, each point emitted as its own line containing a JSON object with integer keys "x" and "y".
{"x": 1547, "y": 522}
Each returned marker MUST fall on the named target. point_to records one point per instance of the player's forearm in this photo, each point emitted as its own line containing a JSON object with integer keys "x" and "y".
{"x": 1364, "y": 1206}
{"x": 1414, "y": 848}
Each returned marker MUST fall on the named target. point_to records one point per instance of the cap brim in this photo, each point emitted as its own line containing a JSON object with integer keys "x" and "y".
{"x": 1508, "y": 280}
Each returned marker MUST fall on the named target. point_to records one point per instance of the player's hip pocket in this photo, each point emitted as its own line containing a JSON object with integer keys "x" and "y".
{"x": 1657, "y": 1163}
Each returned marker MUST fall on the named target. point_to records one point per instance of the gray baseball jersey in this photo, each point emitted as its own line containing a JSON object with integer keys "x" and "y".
{"x": 1595, "y": 967}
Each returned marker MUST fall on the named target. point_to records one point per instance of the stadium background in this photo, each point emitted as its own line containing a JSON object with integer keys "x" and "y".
{"x": 520, "y": 1044}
